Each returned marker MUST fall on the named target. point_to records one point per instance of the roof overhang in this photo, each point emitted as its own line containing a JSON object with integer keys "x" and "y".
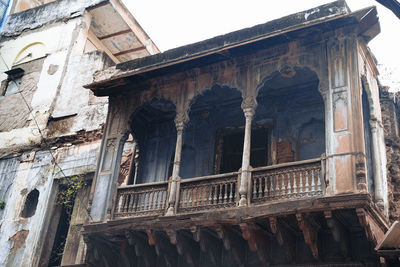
{"x": 329, "y": 16}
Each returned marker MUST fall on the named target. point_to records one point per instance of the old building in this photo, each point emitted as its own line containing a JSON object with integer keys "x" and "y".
{"x": 260, "y": 147}
{"x": 50, "y": 126}
{"x": 272, "y": 145}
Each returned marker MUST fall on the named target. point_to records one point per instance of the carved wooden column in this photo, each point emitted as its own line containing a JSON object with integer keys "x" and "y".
{"x": 377, "y": 168}
{"x": 249, "y": 105}
{"x": 180, "y": 121}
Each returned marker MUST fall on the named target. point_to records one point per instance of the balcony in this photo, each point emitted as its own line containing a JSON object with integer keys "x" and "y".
{"x": 275, "y": 183}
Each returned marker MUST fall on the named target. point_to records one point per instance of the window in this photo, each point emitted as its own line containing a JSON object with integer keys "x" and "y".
{"x": 13, "y": 81}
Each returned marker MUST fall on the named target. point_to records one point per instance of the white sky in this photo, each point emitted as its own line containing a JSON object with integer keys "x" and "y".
{"x": 173, "y": 23}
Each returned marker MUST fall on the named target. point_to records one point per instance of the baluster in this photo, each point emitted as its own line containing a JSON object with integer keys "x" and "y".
{"x": 163, "y": 199}
{"x": 121, "y": 199}
{"x": 151, "y": 200}
{"x": 203, "y": 195}
{"x": 259, "y": 189}
{"x": 313, "y": 181}
{"x": 319, "y": 180}
{"x": 225, "y": 185}
{"x": 215, "y": 191}
{"x": 230, "y": 192}
{"x": 307, "y": 189}
{"x": 127, "y": 203}
{"x": 301, "y": 182}
{"x": 289, "y": 186}
{"x": 254, "y": 188}
{"x": 146, "y": 200}
{"x": 131, "y": 202}
{"x": 283, "y": 189}
{"x": 294, "y": 183}
{"x": 220, "y": 197}
{"x": 158, "y": 200}
{"x": 265, "y": 179}
{"x": 192, "y": 197}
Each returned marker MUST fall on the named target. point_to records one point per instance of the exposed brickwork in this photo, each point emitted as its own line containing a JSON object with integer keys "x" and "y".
{"x": 284, "y": 152}
{"x": 390, "y": 112}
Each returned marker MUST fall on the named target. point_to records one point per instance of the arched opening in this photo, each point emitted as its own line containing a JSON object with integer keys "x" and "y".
{"x": 292, "y": 110}
{"x": 212, "y": 142}
{"x": 154, "y": 131}
{"x": 30, "y": 204}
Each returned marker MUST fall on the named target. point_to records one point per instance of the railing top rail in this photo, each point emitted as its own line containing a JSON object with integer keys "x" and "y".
{"x": 209, "y": 177}
{"x": 143, "y": 185}
{"x": 288, "y": 164}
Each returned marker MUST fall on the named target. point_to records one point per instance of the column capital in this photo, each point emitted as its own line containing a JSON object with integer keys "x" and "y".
{"x": 249, "y": 105}
{"x": 181, "y": 119}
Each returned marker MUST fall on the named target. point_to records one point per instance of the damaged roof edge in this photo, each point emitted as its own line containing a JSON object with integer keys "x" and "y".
{"x": 300, "y": 20}
{"x": 37, "y": 17}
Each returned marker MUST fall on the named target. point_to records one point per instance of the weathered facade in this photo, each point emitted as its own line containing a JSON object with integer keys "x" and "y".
{"x": 272, "y": 145}
{"x": 262, "y": 146}
{"x": 50, "y": 126}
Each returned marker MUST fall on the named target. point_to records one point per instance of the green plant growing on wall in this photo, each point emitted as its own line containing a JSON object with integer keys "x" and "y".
{"x": 67, "y": 193}
{"x": 2, "y": 204}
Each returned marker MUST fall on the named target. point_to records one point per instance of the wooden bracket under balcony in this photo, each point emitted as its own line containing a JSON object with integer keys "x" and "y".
{"x": 185, "y": 246}
{"x": 284, "y": 237}
{"x": 339, "y": 232}
{"x": 208, "y": 243}
{"x": 233, "y": 242}
{"x": 257, "y": 239}
{"x": 310, "y": 230}
{"x": 163, "y": 247}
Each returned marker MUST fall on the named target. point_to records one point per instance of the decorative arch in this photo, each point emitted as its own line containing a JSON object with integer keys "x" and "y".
{"x": 153, "y": 129}
{"x": 293, "y": 108}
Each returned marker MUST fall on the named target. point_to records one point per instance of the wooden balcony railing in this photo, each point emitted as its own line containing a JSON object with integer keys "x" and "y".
{"x": 209, "y": 192}
{"x": 286, "y": 181}
{"x": 141, "y": 199}
{"x": 294, "y": 180}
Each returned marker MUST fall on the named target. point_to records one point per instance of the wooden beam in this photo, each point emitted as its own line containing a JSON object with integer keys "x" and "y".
{"x": 208, "y": 244}
{"x": 340, "y": 235}
{"x": 258, "y": 241}
{"x": 284, "y": 237}
{"x": 129, "y": 51}
{"x": 114, "y": 34}
{"x": 100, "y": 46}
{"x": 310, "y": 230}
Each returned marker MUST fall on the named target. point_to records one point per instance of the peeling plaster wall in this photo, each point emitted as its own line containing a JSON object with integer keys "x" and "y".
{"x": 39, "y": 173}
{"x": 42, "y": 15}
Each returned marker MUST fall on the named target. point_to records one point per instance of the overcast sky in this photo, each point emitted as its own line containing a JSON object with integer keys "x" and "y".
{"x": 175, "y": 23}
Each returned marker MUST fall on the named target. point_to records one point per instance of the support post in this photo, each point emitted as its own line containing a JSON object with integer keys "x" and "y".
{"x": 379, "y": 198}
{"x": 249, "y": 105}
{"x": 180, "y": 121}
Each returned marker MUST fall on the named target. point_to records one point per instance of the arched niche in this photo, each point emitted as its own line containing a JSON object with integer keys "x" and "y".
{"x": 213, "y": 116}
{"x": 291, "y": 107}
{"x": 153, "y": 129}
{"x": 30, "y": 52}
{"x": 30, "y": 205}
